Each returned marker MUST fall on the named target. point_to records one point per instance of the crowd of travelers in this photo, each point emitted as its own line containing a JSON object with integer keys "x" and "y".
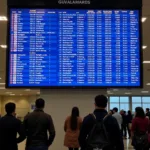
{"x": 100, "y": 130}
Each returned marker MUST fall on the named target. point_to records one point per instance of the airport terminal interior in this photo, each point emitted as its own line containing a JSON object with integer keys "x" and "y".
{"x": 59, "y": 102}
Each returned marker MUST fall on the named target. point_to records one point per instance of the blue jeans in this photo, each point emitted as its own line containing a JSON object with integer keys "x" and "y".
{"x": 37, "y": 148}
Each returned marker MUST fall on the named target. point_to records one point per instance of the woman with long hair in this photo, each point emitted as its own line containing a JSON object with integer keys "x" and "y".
{"x": 72, "y": 129}
{"x": 140, "y": 130}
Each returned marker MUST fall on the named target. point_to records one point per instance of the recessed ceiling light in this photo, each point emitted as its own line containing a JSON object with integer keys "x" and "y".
{"x": 148, "y": 84}
{"x": 127, "y": 93}
{"x": 110, "y": 93}
{"x": 144, "y": 46}
{"x": 143, "y": 19}
{"x": 3, "y": 46}
{"x": 115, "y": 90}
{"x": 146, "y": 62}
{"x": 2, "y": 83}
{"x": 8, "y": 92}
{"x": 3, "y": 18}
{"x": 144, "y": 91}
{"x": 27, "y": 90}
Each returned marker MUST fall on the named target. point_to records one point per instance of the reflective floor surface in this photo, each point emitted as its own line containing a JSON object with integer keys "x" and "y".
{"x": 127, "y": 144}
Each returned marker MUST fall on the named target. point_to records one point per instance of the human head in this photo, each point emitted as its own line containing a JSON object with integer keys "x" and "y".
{"x": 129, "y": 112}
{"x": 40, "y": 103}
{"x": 139, "y": 112}
{"x": 115, "y": 109}
{"x": 75, "y": 111}
{"x": 111, "y": 112}
{"x": 101, "y": 101}
{"x": 147, "y": 109}
{"x": 122, "y": 112}
{"x": 10, "y": 108}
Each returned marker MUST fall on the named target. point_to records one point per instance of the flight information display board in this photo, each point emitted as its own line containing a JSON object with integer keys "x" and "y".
{"x": 74, "y": 48}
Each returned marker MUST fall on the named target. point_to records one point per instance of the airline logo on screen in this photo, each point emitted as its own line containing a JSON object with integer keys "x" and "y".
{"x": 75, "y": 2}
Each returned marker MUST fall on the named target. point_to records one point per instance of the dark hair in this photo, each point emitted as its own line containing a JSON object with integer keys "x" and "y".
{"x": 139, "y": 112}
{"x": 101, "y": 101}
{"x": 40, "y": 103}
{"x": 147, "y": 109}
{"x": 129, "y": 113}
{"x": 74, "y": 118}
{"x": 10, "y": 108}
{"x": 115, "y": 109}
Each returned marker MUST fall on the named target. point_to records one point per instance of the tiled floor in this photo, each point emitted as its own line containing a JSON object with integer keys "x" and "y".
{"x": 127, "y": 144}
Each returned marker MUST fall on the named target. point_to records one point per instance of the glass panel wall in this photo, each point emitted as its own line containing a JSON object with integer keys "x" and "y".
{"x": 136, "y": 102}
{"x": 145, "y": 102}
{"x": 121, "y": 102}
{"x": 124, "y": 103}
{"x": 114, "y": 102}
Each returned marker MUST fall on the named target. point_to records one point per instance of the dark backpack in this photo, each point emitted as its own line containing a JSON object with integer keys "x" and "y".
{"x": 98, "y": 138}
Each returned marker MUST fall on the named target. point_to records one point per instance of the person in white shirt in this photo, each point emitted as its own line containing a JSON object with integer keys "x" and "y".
{"x": 117, "y": 116}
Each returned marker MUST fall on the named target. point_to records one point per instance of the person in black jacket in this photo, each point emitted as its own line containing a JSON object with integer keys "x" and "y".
{"x": 9, "y": 127}
{"x": 147, "y": 113}
{"x": 129, "y": 122}
{"x": 37, "y": 124}
{"x": 110, "y": 123}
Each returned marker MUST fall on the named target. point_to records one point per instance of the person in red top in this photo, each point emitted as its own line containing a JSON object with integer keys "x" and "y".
{"x": 140, "y": 124}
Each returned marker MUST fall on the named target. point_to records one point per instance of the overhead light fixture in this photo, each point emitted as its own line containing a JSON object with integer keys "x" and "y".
{"x": 128, "y": 93}
{"x": 2, "y": 83}
{"x": 148, "y": 84}
{"x": 12, "y": 94}
{"x": 144, "y": 91}
{"x": 8, "y": 92}
{"x": 3, "y": 18}
{"x": 115, "y": 90}
{"x": 144, "y": 47}
{"x": 3, "y": 46}
{"x": 27, "y": 90}
{"x": 143, "y": 19}
{"x": 110, "y": 93}
{"x": 146, "y": 62}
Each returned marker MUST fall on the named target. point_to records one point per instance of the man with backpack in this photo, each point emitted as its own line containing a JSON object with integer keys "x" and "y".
{"x": 99, "y": 130}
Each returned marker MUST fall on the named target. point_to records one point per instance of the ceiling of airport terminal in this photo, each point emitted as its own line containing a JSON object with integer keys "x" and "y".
{"x": 146, "y": 57}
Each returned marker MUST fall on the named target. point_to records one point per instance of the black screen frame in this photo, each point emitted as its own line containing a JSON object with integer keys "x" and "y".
{"x": 73, "y": 87}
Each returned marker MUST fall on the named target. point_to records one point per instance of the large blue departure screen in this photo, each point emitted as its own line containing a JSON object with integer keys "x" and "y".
{"x": 70, "y": 47}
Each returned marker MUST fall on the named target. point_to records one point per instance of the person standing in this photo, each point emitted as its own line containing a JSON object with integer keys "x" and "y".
{"x": 124, "y": 124}
{"x": 147, "y": 113}
{"x": 140, "y": 129}
{"x": 9, "y": 128}
{"x": 117, "y": 116}
{"x": 37, "y": 124}
{"x": 72, "y": 128}
{"x": 129, "y": 123}
{"x": 100, "y": 114}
